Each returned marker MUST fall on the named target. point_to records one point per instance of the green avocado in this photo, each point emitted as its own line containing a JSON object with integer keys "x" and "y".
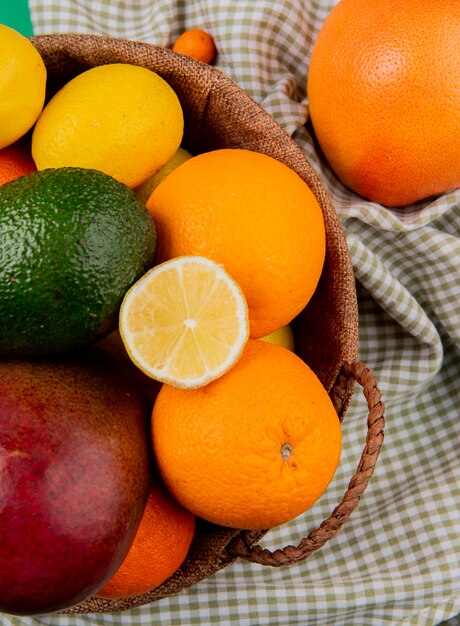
{"x": 72, "y": 242}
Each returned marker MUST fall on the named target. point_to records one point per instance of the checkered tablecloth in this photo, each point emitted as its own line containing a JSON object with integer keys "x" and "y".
{"x": 397, "y": 560}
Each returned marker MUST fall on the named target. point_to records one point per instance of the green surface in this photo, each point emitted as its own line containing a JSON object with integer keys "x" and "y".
{"x": 15, "y": 13}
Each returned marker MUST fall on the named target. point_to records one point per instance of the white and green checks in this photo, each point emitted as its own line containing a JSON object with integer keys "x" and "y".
{"x": 397, "y": 560}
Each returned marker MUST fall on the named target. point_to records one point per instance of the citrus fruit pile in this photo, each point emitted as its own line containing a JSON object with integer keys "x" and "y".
{"x": 186, "y": 271}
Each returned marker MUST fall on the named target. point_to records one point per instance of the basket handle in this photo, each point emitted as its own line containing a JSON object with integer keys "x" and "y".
{"x": 243, "y": 544}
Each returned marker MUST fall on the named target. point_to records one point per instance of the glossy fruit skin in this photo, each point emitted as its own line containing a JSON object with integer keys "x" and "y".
{"x": 131, "y": 139}
{"x": 283, "y": 336}
{"x": 72, "y": 241}
{"x": 74, "y": 478}
{"x": 384, "y": 97}
{"x": 144, "y": 191}
{"x": 159, "y": 548}
{"x": 252, "y": 449}
{"x": 22, "y": 85}
{"x": 197, "y": 44}
{"x": 15, "y": 161}
{"x": 254, "y": 215}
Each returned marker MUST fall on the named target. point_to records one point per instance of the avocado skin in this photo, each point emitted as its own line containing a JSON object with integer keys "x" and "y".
{"x": 75, "y": 471}
{"x": 72, "y": 242}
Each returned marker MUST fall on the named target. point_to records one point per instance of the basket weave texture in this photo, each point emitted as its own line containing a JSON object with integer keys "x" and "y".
{"x": 219, "y": 114}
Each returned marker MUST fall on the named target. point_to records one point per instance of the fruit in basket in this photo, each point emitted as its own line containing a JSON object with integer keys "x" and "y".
{"x": 72, "y": 241}
{"x": 122, "y": 119}
{"x": 76, "y": 468}
{"x": 185, "y": 322}
{"x": 22, "y": 85}
{"x": 254, "y": 215}
{"x": 197, "y": 44}
{"x": 15, "y": 161}
{"x": 159, "y": 548}
{"x": 144, "y": 191}
{"x": 283, "y": 336}
{"x": 384, "y": 97}
{"x": 254, "y": 448}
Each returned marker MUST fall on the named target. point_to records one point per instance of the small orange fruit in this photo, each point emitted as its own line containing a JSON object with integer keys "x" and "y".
{"x": 15, "y": 161}
{"x": 254, "y": 448}
{"x": 160, "y": 546}
{"x": 384, "y": 97}
{"x": 196, "y": 43}
{"x": 256, "y": 217}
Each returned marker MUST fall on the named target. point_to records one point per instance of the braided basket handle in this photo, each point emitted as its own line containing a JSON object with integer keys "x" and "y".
{"x": 243, "y": 544}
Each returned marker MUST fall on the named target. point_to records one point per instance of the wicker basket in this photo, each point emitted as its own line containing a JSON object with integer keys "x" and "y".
{"x": 218, "y": 114}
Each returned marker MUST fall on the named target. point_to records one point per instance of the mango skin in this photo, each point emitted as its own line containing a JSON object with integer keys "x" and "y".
{"x": 75, "y": 470}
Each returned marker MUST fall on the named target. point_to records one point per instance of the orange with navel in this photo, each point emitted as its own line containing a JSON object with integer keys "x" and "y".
{"x": 255, "y": 447}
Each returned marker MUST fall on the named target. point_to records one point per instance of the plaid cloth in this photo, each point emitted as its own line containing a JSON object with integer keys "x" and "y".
{"x": 397, "y": 560}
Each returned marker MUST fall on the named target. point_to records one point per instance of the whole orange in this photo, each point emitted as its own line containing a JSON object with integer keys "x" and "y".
{"x": 196, "y": 43}
{"x": 160, "y": 546}
{"x": 254, "y": 448}
{"x": 254, "y": 215}
{"x": 384, "y": 97}
{"x": 15, "y": 161}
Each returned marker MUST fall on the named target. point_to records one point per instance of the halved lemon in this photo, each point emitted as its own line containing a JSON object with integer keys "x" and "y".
{"x": 185, "y": 322}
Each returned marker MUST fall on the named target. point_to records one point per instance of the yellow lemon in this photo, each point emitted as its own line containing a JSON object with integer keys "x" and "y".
{"x": 283, "y": 337}
{"x": 121, "y": 119}
{"x": 144, "y": 191}
{"x": 22, "y": 85}
{"x": 185, "y": 322}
